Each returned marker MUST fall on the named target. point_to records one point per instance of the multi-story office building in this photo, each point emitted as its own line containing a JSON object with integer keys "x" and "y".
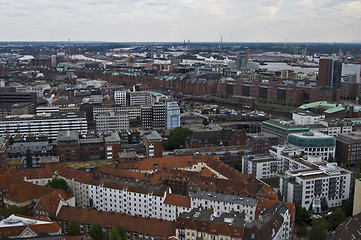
{"x": 337, "y": 127}
{"x": 172, "y": 115}
{"x": 9, "y": 95}
{"x": 147, "y": 116}
{"x": 306, "y": 118}
{"x": 113, "y": 121}
{"x": 282, "y": 129}
{"x": 49, "y": 124}
{"x": 348, "y": 148}
{"x": 159, "y": 115}
{"x": 314, "y": 144}
{"x": 122, "y": 98}
{"x": 317, "y": 187}
{"x": 133, "y": 112}
{"x": 153, "y": 144}
{"x": 329, "y": 73}
{"x": 67, "y": 146}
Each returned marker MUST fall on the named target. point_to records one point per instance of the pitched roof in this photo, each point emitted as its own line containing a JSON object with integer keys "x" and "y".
{"x": 26, "y": 191}
{"x": 52, "y": 199}
{"x": 178, "y": 200}
{"x": 349, "y": 229}
{"x": 111, "y": 219}
{"x": 20, "y": 223}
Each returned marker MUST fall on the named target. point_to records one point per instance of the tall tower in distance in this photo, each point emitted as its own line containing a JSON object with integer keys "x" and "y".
{"x": 329, "y": 73}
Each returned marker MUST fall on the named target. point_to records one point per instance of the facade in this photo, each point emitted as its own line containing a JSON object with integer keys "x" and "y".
{"x": 49, "y": 124}
{"x": 153, "y": 144}
{"x": 348, "y": 148}
{"x": 263, "y": 166}
{"x": 112, "y": 146}
{"x": 159, "y": 115}
{"x": 261, "y": 142}
{"x": 121, "y": 98}
{"x": 356, "y": 199}
{"x": 172, "y": 115}
{"x": 337, "y": 127}
{"x": 329, "y": 73}
{"x": 314, "y": 144}
{"x": 147, "y": 117}
{"x": 67, "y": 146}
{"x": 113, "y": 121}
{"x": 317, "y": 187}
{"x": 306, "y": 118}
{"x": 134, "y": 112}
{"x": 282, "y": 129}
{"x": 224, "y": 203}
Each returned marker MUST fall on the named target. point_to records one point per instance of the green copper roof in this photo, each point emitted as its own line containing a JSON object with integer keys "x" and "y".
{"x": 334, "y": 110}
{"x": 318, "y": 104}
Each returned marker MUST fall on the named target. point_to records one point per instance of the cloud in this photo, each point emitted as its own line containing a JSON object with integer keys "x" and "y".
{"x": 175, "y": 20}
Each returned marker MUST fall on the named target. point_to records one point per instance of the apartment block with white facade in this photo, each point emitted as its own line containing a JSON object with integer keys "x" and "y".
{"x": 121, "y": 98}
{"x": 318, "y": 187}
{"x": 306, "y": 118}
{"x": 224, "y": 203}
{"x": 263, "y": 166}
{"x": 49, "y": 124}
{"x": 337, "y": 127}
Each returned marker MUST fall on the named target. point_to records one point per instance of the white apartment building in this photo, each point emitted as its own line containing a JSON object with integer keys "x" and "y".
{"x": 172, "y": 111}
{"x": 317, "y": 187}
{"x": 49, "y": 124}
{"x": 306, "y": 118}
{"x": 224, "y": 203}
{"x": 263, "y": 166}
{"x": 128, "y": 199}
{"x": 112, "y": 121}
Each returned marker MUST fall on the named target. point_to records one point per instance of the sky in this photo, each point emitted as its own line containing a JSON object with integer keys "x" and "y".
{"x": 178, "y": 20}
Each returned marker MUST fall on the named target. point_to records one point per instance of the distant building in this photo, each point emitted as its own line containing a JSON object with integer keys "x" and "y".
{"x": 49, "y": 124}
{"x": 112, "y": 143}
{"x": 172, "y": 115}
{"x": 67, "y": 146}
{"x": 113, "y": 121}
{"x": 159, "y": 115}
{"x": 263, "y": 166}
{"x": 329, "y": 73}
{"x": 306, "y": 118}
{"x": 349, "y": 229}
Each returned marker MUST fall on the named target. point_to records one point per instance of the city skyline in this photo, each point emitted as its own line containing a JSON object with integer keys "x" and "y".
{"x": 175, "y": 21}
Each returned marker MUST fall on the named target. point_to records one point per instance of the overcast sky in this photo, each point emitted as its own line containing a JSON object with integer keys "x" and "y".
{"x": 176, "y": 20}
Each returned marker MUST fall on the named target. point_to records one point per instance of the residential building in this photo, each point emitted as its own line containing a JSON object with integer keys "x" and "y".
{"x": 136, "y": 227}
{"x": 112, "y": 121}
{"x": 263, "y": 166}
{"x": 18, "y": 227}
{"x": 349, "y": 229}
{"x": 314, "y": 144}
{"x": 348, "y": 148}
{"x": 318, "y": 187}
{"x": 224, "y": 203}
{"x": 122, "y": 98}
{"x": 337, "y": 127}
{"x": 67, "y": 146}
{"x": 49, "y": 124}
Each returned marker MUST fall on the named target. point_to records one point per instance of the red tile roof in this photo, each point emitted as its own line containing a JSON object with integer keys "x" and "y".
{"x": 178, "y": 200}
{"x": 111, "y": 219}
{"x": 52, "y": 199}
{"x": 26, "y": 191}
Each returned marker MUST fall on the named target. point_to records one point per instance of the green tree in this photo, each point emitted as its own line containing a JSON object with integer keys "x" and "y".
{"x": 335, "y": 218}
{"x": 96, "y": 232}
{"x": 73, "y": 229}
{"x": 237, "y": 165}
{"x": 303, "y": 217}
{"x": 13, "y": 209}
{"x": 58, "y": 183}
{"x": 302, "y": 232}
{"x": 318, "y": 229}
{"x": 177, "y": 138}
{"x": 118, "y": 233}
{"x": 205, "y": 122}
